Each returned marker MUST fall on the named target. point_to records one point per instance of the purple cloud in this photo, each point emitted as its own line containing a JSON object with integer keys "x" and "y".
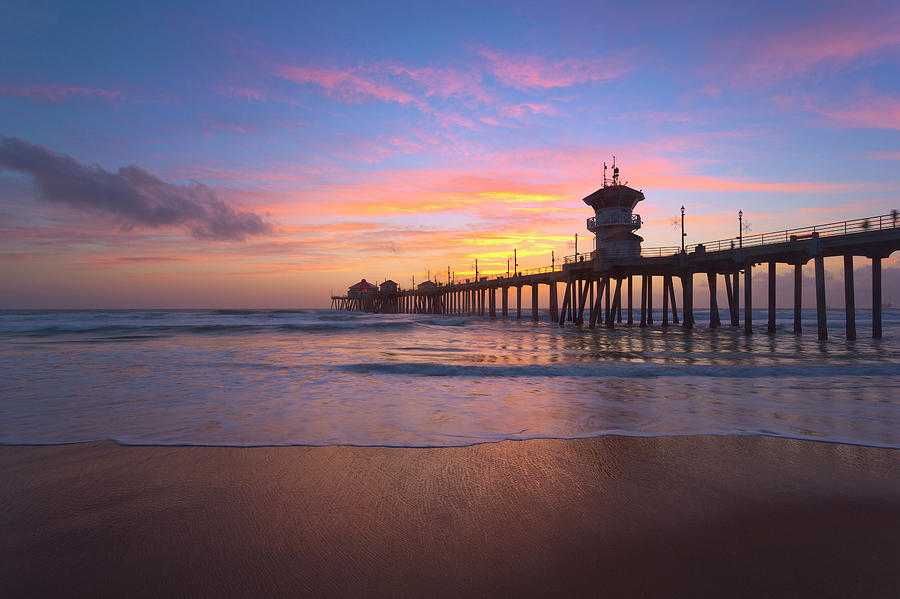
{"x": 131, "y": 195}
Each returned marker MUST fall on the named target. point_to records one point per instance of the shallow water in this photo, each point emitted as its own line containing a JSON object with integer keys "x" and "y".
{"x": 250, "y": 377}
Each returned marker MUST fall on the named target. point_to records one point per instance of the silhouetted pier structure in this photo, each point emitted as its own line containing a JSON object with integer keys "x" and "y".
{"x": 600, "y": 286}
{"x": 612, "y": 281}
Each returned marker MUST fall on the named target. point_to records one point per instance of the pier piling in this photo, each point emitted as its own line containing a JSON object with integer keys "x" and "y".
{"x": 771, "y": 289}
{"x": 748, "y": 299}
{"x": 714, "y": 321}
{"x": 798, "y": 297}
{"x": 849, "y": 298}
{"x": 876, "y": 297}
{"x": 821, "y": 316}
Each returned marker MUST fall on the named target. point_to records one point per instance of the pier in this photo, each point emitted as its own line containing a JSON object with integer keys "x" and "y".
{"x": 613, "y": 281}
{"x": 601, "y": 287}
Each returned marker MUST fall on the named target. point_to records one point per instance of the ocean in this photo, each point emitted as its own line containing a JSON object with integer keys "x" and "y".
{"x": 320, "y": 377}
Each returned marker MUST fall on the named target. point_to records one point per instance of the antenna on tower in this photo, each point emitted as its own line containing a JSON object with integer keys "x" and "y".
{"x": 604, "y": 174}
{"x": 615, "y": 172}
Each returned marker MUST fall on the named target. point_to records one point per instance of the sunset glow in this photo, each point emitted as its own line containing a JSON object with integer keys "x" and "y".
{"x": 166, "y": 156}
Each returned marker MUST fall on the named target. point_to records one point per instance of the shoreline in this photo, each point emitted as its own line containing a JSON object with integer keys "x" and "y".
{"x": 714, "y": 515}
{"x": 119, "y": 443}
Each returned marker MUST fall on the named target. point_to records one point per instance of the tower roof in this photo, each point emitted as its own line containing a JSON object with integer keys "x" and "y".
{"x": 614, "y": 196}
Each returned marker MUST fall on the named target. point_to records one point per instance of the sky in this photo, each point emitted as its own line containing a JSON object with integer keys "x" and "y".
{"x": 266, "y": 155}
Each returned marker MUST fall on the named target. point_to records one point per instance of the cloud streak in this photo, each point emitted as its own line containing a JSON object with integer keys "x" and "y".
{"x": 834, "y": 41}
{"x": 58, "y": 93}
{"x": 526, "y": 72}
{"x": 131, "y": 195}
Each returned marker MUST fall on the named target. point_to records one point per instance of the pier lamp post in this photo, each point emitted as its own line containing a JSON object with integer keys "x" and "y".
{"x": 682, "y": 230}
{"x": 552, "y": 260}
{"x": 576, "y": 247}
{"x": 515, "y": 263}
{"x": 507, "y": 268}
{"x": 740, "y": 228}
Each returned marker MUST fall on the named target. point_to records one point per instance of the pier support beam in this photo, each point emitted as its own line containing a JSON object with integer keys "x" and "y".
{"x": 821, "y": 316}
{"x": 554, "y": 308}
{"x": 591, "y": 296}
{"x": 771, "y": 324}
{"x": 505, "y": 301}
{"x": 687, "y": 292}
{"x": 748, "y": 299}
{"x": 649, "y": 299}
{"x": 630, "y": 318}
{"x": 798, "y": 298}
{"x": 672, "y": 300}
{"x": 595, "y": 306}
{"x": 492, "y": 292}
{"x": 518, "y": 301}
{"x": 849, "y": 298}
{"x": 714, "y": 321}
{"x": 534, "y": 302}
{"x": 667, "y": 280}
{"x": 583, "y": 293}
{"x": 736, "y": 293}
{"x": 617, "y": 303}
{"x": 643, "y": 300}
{"x": 619, "y": 299}
{"x": 567, "y": 300}
{"x": 876, "y": 297}
{"x": 605, "y": 289}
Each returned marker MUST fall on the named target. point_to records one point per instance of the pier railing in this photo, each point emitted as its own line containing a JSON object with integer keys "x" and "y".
{"x": 846, "y": 227}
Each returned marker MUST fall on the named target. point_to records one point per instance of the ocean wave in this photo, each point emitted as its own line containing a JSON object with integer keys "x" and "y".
{"x": 122, "y": 331}
{"x": 617, "y": 370}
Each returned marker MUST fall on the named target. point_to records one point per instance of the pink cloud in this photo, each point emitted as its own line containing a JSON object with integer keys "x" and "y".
{"x": 242, "y": 93}
{"x": 520, "y": 111}
{"x": 885, "y": 155}
{"x": 836, "y": 41}
{"x": 232, "y": 127}
{"x": 443, "y": 82}
{"x": 348, "y": 85}
{"x": 58, "y": 93}
{"x": 534, "y": 72}
{"x": 869, "y": 111}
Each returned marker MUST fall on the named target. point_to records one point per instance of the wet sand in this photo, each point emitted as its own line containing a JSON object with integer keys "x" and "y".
{"x": 613, "y": 516}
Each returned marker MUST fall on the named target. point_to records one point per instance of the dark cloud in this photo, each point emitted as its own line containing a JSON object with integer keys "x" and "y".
{"x": 131, "y": 195}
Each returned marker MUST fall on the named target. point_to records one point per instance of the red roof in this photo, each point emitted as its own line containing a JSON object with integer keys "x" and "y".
{"x": 363, "y": 286}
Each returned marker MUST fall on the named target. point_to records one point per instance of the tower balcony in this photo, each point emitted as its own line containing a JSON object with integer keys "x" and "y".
{"x": 614, "y": 219}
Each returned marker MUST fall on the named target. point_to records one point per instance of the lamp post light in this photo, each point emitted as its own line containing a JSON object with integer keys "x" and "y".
{"x": 683, "y": 234}
{"x": 515, "y": 263}
{"x": 740, "y": 228}
{"x": 576, "y": 247}
{"x": 552, "y": 260}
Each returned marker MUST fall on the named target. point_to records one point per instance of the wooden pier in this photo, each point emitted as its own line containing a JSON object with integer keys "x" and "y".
{"x": 598, "y": 287}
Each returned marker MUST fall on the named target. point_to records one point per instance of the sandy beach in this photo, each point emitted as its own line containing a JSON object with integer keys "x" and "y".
{"x": 610, "y": 516}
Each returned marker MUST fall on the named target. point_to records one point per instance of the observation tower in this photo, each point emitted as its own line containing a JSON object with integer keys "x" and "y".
{"x": 614, "y": 221}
